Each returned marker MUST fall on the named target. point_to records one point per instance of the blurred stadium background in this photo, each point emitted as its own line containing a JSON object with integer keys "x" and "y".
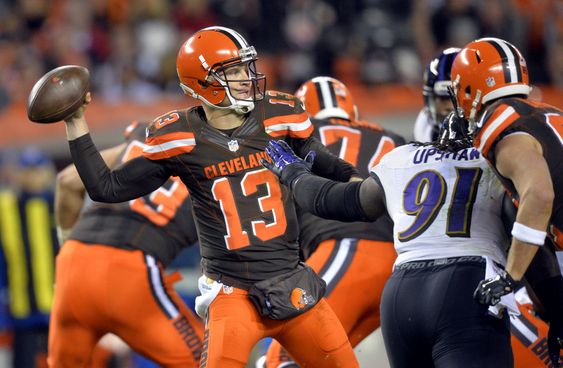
{"x": 377, "y": 47}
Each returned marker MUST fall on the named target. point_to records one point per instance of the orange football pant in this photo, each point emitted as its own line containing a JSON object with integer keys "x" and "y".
{"x": 315, "y": 338}
{"x": 355, "y": 271}
{"x": 101, "y": 289}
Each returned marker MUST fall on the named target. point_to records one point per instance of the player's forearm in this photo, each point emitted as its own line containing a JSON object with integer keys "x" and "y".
{"x": 67, "y": 211}
{"x": 76, "y": 128}
{"x": 136, "y": 178}
{"x": 519, "y": 258}
{"x": 534, "y": 212}
{"x": 328, "y": 199}
{"x": 68, "y": 204}
{"x": 520, "y": 159}
{"x": 535, "y": 205}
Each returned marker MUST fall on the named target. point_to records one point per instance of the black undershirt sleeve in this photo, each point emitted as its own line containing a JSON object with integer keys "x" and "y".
{"x": 133, "y": 179}
{"x": 329, "y": 199}
{"x": 326, "y": 164}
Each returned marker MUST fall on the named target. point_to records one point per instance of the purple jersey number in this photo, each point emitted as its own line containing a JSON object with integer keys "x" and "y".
{"x": 425, "y": 195}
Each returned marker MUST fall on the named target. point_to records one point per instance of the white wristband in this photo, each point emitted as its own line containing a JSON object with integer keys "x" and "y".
{"x": 528, "y": 235}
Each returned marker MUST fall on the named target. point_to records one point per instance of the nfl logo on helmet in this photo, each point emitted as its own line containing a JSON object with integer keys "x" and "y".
{"x": 490, "y": 81}
{"x": 233, "y": 145}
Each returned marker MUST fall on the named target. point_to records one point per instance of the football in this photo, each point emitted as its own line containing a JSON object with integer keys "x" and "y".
{"x": 58, "y": 94}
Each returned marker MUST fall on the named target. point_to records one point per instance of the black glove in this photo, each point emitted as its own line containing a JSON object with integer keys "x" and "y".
{"x": 454, "y": 127}
{"x": 285, "y": 163}
{"x": 555, "y": 342}
{"x": 490, "y": 291}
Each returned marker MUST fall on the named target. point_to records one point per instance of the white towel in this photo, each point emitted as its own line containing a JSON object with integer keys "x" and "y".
{"x": 208, "y": 289}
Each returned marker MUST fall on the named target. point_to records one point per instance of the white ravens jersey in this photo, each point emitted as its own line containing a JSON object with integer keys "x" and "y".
{"x": 442, "y": 204}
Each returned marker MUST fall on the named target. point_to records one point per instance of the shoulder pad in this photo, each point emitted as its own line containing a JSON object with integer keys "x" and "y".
{"x": 284, "y": 115}
{"x": 493, "y": 122}
{"x": 167, "y": 137}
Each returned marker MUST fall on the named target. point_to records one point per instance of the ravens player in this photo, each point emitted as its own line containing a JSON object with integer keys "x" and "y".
{"x": 253, "y": 284}
{"x": 354, "y": 257}
{"x": 120, "y": 250}
{"x": 522, "y": 140}
{"x": 437, "y": 101}
{"x": 446, "y": 206}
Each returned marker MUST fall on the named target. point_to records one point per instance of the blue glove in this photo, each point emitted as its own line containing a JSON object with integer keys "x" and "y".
{"x": 490, "y": 291}
{"x": 285, "y": 163}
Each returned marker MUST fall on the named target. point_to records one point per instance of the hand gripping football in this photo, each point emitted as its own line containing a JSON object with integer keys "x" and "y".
{"x": 58, "y": 94}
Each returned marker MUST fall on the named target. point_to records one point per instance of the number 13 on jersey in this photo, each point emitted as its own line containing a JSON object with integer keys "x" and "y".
{"x": 271, "y": 203}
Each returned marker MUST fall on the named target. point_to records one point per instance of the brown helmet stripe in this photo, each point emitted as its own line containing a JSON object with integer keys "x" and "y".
{"x": 320, "y": 96}
{"x": 510, "y": 61}
{"x": 332, "y": 93}
{"x": 234, "y": 36}
{"x": 516, "y": 61}
{"x": 326, "y": 93}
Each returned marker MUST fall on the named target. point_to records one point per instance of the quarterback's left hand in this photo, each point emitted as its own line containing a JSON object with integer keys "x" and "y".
{"x": 285, "y": 163}
{"x": 490, "y": 291}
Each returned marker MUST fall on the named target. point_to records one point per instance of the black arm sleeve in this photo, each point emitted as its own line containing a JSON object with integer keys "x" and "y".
{"x": 332, "y": 200}
{"x": 134, "y": 179}
{"x": 326, "y": 164}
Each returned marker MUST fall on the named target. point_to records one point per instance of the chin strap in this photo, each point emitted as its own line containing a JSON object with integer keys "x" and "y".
{"x": 474, "y": 104}
{"x": 239, "y": 109}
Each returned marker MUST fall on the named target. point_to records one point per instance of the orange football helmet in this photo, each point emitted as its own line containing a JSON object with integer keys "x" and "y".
{"x": 201, "y": 65}
{"x": 326, "y": 97}
{"x": 487, "y": 69}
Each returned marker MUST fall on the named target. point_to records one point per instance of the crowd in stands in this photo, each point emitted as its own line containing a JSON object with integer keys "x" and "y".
{"x": 130, "y": 46}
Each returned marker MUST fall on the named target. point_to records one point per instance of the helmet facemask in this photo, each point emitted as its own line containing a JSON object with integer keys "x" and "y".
{"x": 257, "y": 86}
{"x": 455, "y": 129}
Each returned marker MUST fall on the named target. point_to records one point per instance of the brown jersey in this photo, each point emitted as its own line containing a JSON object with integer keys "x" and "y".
{"x": 160, "y": 223}
{"x": 362, "y": 144}
{"x": 541, "y": 121}
{"x": 246, "y": 219}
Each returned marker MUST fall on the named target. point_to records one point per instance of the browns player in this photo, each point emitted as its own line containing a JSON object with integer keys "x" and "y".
{"x": 523, "y": 141}
{"x": 119, "y": 252}
{"x": 351, "y": 257}
{"x": 246, "y": 220}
